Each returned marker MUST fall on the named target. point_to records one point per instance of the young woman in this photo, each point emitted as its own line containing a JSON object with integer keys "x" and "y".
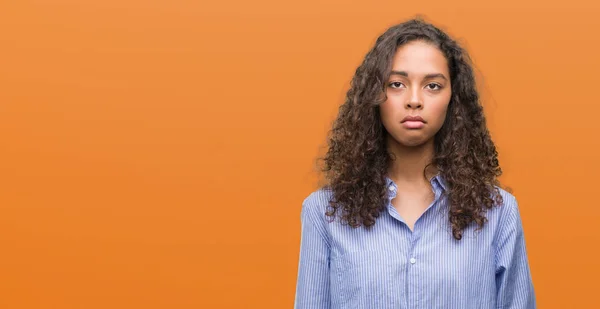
{"x": 412, "y": 215}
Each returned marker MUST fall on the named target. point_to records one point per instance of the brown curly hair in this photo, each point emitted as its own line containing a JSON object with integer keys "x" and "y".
{"x": 357, "y": 160}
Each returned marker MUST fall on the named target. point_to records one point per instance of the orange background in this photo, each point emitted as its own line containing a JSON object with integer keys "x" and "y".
{"x": 155, "y": 154}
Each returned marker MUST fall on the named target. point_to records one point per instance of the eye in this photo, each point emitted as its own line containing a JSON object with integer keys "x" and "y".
{"x": 434, "y": 85}
{"x": 396, "y": 84}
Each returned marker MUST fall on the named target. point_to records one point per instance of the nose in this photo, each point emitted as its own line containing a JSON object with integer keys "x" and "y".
{"x": 414, "y": 101}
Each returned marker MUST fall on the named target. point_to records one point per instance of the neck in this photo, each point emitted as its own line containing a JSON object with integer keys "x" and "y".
{"x": 410, "y": 162}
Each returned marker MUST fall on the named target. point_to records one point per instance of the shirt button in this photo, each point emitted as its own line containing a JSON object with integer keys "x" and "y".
{"x": 413, "y": 260}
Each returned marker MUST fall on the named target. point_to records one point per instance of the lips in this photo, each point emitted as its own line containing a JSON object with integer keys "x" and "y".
{"x": 412, "y": 118}
{"x": 413, "y": 122}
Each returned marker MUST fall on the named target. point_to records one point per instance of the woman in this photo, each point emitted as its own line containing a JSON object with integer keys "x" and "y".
{"x": 412, "y": 215}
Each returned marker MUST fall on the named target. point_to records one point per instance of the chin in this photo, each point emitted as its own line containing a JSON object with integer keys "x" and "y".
{"x": 413, "y": 141}
{"x": 410, "y": 138}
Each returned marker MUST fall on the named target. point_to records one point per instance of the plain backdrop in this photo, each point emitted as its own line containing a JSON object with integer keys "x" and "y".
{"x": 155, "y": 154}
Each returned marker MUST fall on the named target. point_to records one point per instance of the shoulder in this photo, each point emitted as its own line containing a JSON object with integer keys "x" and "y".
{"x": 507, "y": 217}
{"x": 509, "y": 206}
{"x": 315, "y": 204}
{"x": 313, "y": 212}
{"x": 504, "y": 213}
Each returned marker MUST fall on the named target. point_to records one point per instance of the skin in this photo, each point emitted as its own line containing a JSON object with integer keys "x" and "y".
{"x": 411, "y": 92}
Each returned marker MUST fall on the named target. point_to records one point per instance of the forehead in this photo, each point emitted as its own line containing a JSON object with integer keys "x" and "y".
{"x": 419, "y": 58}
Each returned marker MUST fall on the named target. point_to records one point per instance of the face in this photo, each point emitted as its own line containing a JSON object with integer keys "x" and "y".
{"x": 418, "y": 93}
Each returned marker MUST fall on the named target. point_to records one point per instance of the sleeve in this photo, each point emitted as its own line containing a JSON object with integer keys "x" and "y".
{"x": 514, "y": 286}
{"x": 312, "y": 287}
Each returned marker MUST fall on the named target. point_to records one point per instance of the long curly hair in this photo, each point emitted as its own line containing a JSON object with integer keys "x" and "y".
{"x": 357, "y": 160}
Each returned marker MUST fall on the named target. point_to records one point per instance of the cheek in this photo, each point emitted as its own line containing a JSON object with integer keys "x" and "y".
{"x": 440, "y": 108}
{"x": 392, "y": 105}
{"x": 439, "y": 114}
{"x": 387, "y": 112}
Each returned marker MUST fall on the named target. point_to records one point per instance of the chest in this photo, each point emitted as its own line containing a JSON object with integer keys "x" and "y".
{"x": 402, "y": 269}
{"x": 411, "y": 205}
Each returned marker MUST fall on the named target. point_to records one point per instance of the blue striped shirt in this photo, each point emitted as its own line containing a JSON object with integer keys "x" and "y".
{"x": 391, "y": 266}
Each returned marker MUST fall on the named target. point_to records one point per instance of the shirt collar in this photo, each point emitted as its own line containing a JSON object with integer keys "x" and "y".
{"x": 441, "y": 181}
{"x": 438, "y": 178}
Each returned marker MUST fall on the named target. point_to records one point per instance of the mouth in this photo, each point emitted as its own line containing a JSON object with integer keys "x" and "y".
{"x": 413, "y": 122}
{"x": 413, "y": 119}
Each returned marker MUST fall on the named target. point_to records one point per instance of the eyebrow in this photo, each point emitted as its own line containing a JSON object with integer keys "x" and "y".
{"x": 433, "y": 75}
